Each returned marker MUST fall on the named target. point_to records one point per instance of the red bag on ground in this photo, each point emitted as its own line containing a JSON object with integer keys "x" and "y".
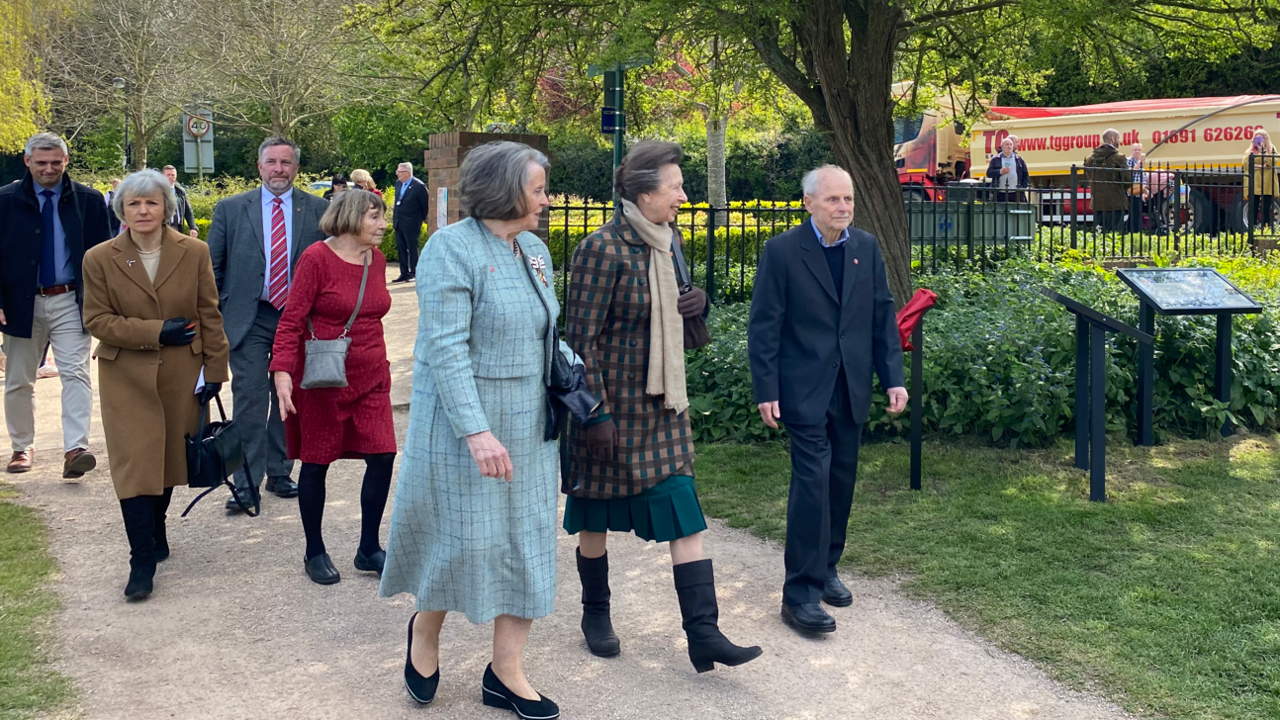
{"x": 911, "y": 314}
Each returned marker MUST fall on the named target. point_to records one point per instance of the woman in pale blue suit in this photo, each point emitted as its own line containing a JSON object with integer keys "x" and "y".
{"x": 474, "y": 524}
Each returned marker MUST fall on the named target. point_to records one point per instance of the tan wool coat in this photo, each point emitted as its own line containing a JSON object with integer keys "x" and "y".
{"x": 148, "y": 391}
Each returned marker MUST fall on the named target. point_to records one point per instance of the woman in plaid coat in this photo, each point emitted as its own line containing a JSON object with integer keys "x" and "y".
{"x": 630, "y": 468}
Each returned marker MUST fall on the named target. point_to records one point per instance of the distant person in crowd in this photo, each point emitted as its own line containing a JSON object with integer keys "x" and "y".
{"x": 1108, "y": 175}
{"x": 255, "y": 240}
{"x": 1016, "y": 143}
{"x": 822, "y": 321}
{"x": 183, "y": 219}
{"x": 630, "y": 469}
{"x": 337, "y": 186}
{"x": 363, "y": 180}
{"x": 1138, "y": 190}
{"x": 113, "y": 222}
{"x": 473, "y": 528}
{"x": 407, "y": 219}
{"x": 47, "y": 222}
{"x": 1007, "y": 171}
{"x": 152, "y": 303}
{"x": 1265, "y": 184}
{"x": 330, "y": 287}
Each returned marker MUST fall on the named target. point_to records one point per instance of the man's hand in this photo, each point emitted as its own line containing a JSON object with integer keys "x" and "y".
{"x": 195, "y": 233}
{"x": 1004, "y": 171}
{"x": 3, "y": 321}
{"x": 897, "y": 400}
{"x": 770, "y": 413}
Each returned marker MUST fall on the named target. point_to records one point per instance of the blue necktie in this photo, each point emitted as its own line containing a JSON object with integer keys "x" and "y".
{"x": 48, "y": 273}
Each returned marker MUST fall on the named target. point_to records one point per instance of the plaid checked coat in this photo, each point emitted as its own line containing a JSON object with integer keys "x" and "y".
{"x": 607, "y": 324}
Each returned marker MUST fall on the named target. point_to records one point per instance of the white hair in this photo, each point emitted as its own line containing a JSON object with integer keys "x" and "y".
{"x": 45, "y": 141}
{"x": 144, "y": 183}
{"x": 810, "y": 182}
{"x": 404, "y": 166}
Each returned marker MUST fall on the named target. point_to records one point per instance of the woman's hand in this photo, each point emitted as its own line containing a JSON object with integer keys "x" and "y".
{"x": 284, "y": 393}
{"x": 490, "y": 456}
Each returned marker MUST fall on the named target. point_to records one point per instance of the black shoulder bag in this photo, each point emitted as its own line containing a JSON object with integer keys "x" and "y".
{"x": 696, "y": 334}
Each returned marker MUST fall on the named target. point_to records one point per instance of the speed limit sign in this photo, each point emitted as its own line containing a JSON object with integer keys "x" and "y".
{"x": 197, "y": 126}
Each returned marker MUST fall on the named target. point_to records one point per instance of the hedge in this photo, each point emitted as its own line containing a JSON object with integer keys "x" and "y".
{"x": 999, "y": 360}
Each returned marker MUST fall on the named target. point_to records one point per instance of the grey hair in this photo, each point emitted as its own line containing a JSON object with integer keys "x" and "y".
{"x": 406, "y": 165}
{"x": 1111, "y": 136}
{"x": 493, "y": 180}
{"x": 45, "y": 141}
{"x": 810, "y": 182}
{"x": 277, "y": 141}
{"x": 145, "y": 183}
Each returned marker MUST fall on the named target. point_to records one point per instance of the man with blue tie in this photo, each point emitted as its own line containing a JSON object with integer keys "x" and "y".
{"x": 255, "y": 239}
{"x": 407, "y": 218}
{"x": 822, "y": 322}
{"x": 47, "y": 222}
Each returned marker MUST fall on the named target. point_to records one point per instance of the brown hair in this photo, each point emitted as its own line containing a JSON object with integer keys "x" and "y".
{"x": 345, "y": 215}
{"x": 638, "y": 173}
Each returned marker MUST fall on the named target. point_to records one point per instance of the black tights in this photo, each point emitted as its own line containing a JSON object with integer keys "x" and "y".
{"x": 373, "y": 500}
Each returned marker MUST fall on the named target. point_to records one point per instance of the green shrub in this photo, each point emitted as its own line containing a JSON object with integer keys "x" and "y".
{"x": 999, "y": 359}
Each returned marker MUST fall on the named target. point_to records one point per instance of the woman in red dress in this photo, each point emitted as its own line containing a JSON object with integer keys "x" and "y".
{"x": 327, "y": 424}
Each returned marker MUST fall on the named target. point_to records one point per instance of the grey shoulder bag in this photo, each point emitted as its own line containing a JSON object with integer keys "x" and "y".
{"x": 326, "y": 362}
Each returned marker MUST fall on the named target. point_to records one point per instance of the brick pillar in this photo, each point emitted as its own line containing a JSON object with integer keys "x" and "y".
{"x": 444, "y": 162}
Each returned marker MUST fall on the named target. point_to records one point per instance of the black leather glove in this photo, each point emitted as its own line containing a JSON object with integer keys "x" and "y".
{"x": 602, "y": 438}
{"x": 177, "y": 331}
{"x": 210, "y": 390}
{"x": 692, "y": 303}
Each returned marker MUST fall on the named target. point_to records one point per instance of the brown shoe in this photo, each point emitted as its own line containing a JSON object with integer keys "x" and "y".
{"x": 21, "y": 461}
{"x": 78, "y": 462}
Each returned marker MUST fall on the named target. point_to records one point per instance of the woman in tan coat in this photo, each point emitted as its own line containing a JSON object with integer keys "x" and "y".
{"x": 150, "y": 300}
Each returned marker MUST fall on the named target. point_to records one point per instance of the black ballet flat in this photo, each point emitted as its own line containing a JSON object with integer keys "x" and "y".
{"x": 497, "y": 695}
{"x": 421, "y": 689}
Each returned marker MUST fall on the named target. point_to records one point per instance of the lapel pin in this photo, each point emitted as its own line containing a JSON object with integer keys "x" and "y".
{"x": 130, "y": 262}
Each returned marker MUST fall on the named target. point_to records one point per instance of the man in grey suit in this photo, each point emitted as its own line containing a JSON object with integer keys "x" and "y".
{"x": 255, "y": 240}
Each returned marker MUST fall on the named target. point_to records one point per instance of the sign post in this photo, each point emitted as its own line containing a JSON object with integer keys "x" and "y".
{"x": 613, "y": 116}
{"x": 197, "y": 142}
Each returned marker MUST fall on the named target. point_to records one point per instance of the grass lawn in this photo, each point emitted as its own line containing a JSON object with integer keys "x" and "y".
{"x": 27, "y": 684}
{"x": 1166, "y": 598}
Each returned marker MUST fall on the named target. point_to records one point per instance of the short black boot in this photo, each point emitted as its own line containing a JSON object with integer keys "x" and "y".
{"x": 161, "y": 507}
{"x": 596, "y": 624}
{"x": 140, "y": 526}
{"x": 696, "y": 588}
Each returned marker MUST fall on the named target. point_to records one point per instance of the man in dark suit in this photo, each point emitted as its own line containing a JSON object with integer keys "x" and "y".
{"x": 407, "y": 218}
{"x": 255, "y": 240}
{"x": 47, "y": 222}
{"x": 113, "y": 222}
{"x": 183, "y": 220}
{"x": 822, "y": 320}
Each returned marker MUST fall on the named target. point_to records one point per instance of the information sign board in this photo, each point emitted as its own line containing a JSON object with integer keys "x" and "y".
{"x": 1187, "y": 291}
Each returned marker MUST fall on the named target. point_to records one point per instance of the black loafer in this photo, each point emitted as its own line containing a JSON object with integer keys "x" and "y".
{"x": 321, "y": 570}
{"x": 371, "y": 563}
{"x": 402, "y": 278}
{"x": 808, "y": 618}
{"x": 421, "y": 689}
{"x": 282, "y": 486}
{"x": 248, "y": 496}
{"x": 835, "y": 594}
{"x": 497, "y": 695}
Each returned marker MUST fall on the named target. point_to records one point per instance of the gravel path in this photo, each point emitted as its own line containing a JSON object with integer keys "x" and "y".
{"x": 235, "y": 629}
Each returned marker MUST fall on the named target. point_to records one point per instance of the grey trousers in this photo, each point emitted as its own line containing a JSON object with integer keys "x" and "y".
{"x": 56, "y": 321}
{"x": 256, "y": 407}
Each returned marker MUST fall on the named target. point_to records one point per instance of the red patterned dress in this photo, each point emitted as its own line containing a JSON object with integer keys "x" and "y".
{"x": 335, "y": 423}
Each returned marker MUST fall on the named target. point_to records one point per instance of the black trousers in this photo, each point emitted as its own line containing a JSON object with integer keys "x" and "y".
{"x": 1261, "y": 219}
{"x": 824, "y": 468}
{"x": 407, "y": 248}
{"x": 1109, "y": 220}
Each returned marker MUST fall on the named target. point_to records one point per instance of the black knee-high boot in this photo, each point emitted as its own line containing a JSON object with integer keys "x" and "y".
{"x": 161, "y": 505}
{"x": 596, "y": 623}
{"x": 140, "y": 526}
{"x": 696, "y": 588}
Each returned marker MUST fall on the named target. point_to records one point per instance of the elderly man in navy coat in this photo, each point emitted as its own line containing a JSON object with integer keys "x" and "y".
{"x": 822, "y": 320}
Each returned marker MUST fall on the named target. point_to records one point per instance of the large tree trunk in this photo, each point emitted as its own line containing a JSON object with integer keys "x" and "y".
{"x": 717, "y": 194}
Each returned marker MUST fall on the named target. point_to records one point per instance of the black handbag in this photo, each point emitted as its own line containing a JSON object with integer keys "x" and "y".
{"x": 696, "y": 334}
{"x": 213, "y": 454}
{"x": 567, "y": 393}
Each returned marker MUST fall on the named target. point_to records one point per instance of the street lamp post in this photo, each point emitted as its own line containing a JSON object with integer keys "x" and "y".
{"x": 123, "y": 86}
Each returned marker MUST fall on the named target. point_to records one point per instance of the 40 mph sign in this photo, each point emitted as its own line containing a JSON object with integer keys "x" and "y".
{"x": 197, "y": 142}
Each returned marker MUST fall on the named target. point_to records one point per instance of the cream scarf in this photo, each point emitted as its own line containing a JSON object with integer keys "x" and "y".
{"x": 666, "y": 326}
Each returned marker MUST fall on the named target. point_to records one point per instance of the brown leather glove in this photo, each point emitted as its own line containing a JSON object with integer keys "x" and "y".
{"x": 602, "y": 439}
{"x": 692, "y": 303}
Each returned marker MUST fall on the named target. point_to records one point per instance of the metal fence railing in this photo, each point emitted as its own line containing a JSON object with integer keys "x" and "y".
{"x": 1107, "y": 214}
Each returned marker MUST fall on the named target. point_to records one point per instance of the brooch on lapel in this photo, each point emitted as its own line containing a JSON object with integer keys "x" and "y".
{"x": 539, "y": 265}
{"x": 130, "y": 262}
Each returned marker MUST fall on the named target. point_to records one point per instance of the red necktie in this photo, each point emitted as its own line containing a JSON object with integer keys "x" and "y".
{"x": 279, "y": 290}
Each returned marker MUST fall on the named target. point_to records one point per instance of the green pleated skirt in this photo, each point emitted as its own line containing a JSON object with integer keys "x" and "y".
{"x": 665, "y": 512}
